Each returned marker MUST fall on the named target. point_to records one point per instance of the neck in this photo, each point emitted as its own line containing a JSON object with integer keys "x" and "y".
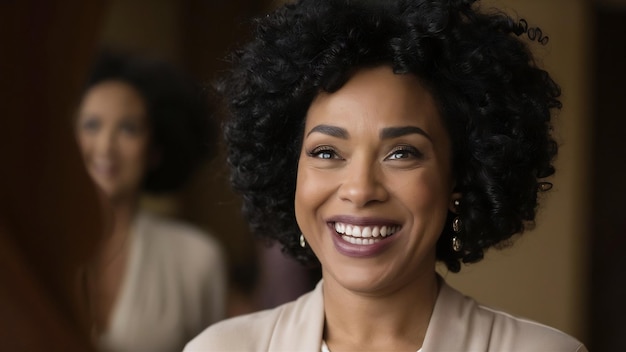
{"x": 390, "y": 321}
{"x": 110, "y": 264}
{"x": 122, "y": 213}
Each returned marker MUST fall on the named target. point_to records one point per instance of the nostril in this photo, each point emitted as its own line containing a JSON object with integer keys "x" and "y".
{"x": 362, "y": 193}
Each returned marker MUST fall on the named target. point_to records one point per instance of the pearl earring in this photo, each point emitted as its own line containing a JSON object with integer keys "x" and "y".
{"x": 302, "y": 241}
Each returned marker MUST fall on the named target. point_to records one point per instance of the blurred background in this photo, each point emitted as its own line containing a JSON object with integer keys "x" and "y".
{"x": 569, "y": 272}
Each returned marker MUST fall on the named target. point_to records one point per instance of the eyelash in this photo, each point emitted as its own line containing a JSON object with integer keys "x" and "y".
{"x": 93, "y": 125}
{"x": 90, "y": 125}
{"x": 130, "y": 128}
{"x": 407, "y": 149}
{"x": 317, "y": 151}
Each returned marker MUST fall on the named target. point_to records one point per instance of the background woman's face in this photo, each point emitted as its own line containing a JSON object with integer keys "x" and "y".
{"x": 374, "y": 181}
{"x": 113, "y": 134}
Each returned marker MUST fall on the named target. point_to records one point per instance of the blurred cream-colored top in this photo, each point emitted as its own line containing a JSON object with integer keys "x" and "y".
{"x": 458, "y": 323}
{"x": 174, "y": 287}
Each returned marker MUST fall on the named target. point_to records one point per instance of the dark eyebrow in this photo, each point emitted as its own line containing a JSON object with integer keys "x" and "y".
{"x": 333, "y": 131}
{"x": 395, "y": 132}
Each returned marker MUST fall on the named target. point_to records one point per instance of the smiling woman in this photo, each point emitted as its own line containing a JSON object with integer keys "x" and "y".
{"x": 114, "y": 135}
{"x": 376, "y": 138}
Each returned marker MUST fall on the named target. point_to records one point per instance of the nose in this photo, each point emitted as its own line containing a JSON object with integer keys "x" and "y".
{"x": 363, "y": 184}
{"x": 105, "y": 142}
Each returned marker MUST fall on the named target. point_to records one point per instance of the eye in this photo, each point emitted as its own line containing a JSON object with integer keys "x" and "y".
{"x": 404, "y": 152}
{"x": 90, "y": 124}
{"x": 323, "y": 152}
{"x": 130, "y": 128}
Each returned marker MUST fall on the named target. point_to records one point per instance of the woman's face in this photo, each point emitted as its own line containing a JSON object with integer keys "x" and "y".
{"x": 114, "y": 138}
{"x": 374, "y": 181}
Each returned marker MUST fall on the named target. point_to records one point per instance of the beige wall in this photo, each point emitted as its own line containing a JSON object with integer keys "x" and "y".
{"x": 544, "y": 275}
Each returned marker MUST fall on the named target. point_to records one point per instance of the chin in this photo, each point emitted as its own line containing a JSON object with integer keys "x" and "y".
{"x": 361, "y": 279}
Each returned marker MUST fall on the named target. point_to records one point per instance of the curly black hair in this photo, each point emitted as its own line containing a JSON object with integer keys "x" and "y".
{"x": 179, "y": 112}
{"x": 496, "y": 105}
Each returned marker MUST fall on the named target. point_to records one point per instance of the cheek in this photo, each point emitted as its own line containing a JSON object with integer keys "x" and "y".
{"x": 426, "y": 196}
{"x": 310, "y": 195}
{"x": 303, "y": 195}
{"x": 134, "y": 153}
{"x": 85, "y": 143}
{"x": 134, "y": 149}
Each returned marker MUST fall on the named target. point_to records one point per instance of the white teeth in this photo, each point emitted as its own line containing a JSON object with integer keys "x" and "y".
{"x": 361, "y": 241}
{"x": 364, "y": 234}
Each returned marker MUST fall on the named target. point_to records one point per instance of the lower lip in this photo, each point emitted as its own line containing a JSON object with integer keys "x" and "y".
{"x": 359, "y": 250}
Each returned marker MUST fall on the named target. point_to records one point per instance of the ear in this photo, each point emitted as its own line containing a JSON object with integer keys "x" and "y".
{"x": 455, "y": 198}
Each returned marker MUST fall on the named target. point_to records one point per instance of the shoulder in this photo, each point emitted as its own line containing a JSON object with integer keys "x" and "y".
{"x": 459, "y": 322}
{"x": 528, "y": 335}
{"x": 294, "y": 326}
{"x": 177, "y": 235}
{"x": 244, "y": 333}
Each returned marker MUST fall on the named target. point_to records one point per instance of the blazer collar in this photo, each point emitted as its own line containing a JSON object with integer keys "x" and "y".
{"x": 302, "y": 323}
{"x": 447, "y": 329}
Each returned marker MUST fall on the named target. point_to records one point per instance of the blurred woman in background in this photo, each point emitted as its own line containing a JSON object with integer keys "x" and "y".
{"x": 143, "y": 126}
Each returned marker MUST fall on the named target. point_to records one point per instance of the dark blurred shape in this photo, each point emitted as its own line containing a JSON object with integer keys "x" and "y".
{"x": 282, "y": 278}
{"x": 50, "y": 220}
{"x": 607, "y": 232}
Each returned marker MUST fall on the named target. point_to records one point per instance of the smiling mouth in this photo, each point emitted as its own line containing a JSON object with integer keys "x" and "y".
{"x": 104, "y": 168}
{"x": 364, "y": 235}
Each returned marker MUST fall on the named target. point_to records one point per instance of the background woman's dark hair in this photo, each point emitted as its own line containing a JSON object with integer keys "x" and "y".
{"x": 495, "y": 102}
{"x": 179, "y": 113}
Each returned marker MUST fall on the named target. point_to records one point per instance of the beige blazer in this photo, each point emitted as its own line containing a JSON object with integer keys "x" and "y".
{"x": 458, "y": 323}
{"x": 174, "y": 287}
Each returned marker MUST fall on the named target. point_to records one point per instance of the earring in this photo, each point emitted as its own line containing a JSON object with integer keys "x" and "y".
{"x": 302, "y": 241}
{"x": 457, "y": 245}
{"x": 456, "y": 204}
{"x": 456, "y": 225}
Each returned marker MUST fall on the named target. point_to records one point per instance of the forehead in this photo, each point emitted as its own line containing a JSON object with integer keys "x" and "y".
{"x": 114, "y": 96}
{"x": 378, "y": 97}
